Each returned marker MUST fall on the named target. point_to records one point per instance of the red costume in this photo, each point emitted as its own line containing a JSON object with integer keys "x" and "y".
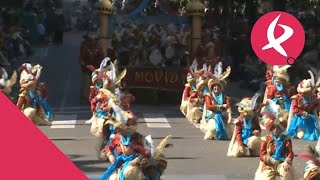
{"x": 212, "y": 105}
{"x": 94, "y": 91}
{"x": 239, "y": 126}
{"x": 102, "y": 99}
{"x": 126, "y": 101}
{"x": 90, "y": 54}
{"x": 188, "y": 92}
{"x": 300, "y": 108}
{"x": 274, "y": 93}
{"x": 196, "y": 96}
{"x": 270, "y": 142}
{"x": 136, "y": 146}
{"x": 23, "y": 100}
{"x": 269, "y": 75}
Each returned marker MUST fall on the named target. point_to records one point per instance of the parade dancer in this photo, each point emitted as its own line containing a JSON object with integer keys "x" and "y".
{"x": 268, "y": 83}
{"x": 217, "y": 110}
{"x": 5, "y": 83}
{"x": 303, "y": 120}
{"x": 129, "y": 150}
{"x": 280, "y": 91}
{"x": 246, "y": 137}
{"x": 30, "y": 106}
{"x": 153, "y": 167}
{"x": 311, "y": 171}
{"x": 276, "y": 155}
{"x": 98, "y": 78}
{"x": 38, "y": 93}
{"x": 189, "y": 89}
{"x": 101, "y": 110}
{"x": 32, "y": 100}
{"x": 196, "y": 102}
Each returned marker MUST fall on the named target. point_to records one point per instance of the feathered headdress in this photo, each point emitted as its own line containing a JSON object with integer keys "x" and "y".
{"x": 218, "y": 71}
{"x": 307, "y": 85}
{"x": 273, "y": 115}
{"x": 281, "y": 72}
{"x": 4, "y": 77}
{"x": 248, "y": 105}
{"x": 312, "y": 155}
{"x": 157, "y": 154}
{"x": 193, "y": 67}
{"x": 219, "y": 76}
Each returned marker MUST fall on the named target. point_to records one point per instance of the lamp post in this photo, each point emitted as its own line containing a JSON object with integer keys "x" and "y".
{"x": 104, "y": 9}
{"x": 196, "y": 10}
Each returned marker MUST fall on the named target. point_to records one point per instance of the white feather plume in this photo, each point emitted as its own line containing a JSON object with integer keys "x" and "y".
{"x": 273, "y": 108}
{"x": 118, "y": 112}
{"x": 254, "y": 99}
{"x": 313, "y": 82}
{"x": 150, "y": 144}
{"x": 275, "y": 68}
{"x": 103, "y": 64}
{"x": 194, "y": 66}
{"x": 204, "y": 67}
{"x": 218, "y": 70}
{"x": 314, "y": 71}
{"x": 38, "y": 73}
{"x": 117, "y": 92}
{"x": 28, "y": 66}
{"x": 113, "y": 73}
{"x": 317, "y": 148}
{"x": 4, "y": 74}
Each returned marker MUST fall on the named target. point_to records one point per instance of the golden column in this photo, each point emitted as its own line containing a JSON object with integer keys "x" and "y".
{"x": 196, "y": 10}
{"x": 104, "y": 9}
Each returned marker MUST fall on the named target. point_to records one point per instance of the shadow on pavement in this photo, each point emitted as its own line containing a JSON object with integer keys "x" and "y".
{"x": 73, "y": 156}
{"x": 63, "y": 139}
{"x": 181, "y": 158}
{"x": 171, "y": 138}
{"x": 89, "y": 165}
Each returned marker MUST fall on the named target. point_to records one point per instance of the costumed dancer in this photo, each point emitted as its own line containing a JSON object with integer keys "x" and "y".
{"x": 38, "y": 91}
{"x": 98, "y": 78}
{"x": 5, "y": 83}
{"x": 217, "y": 117}
{"x": 189, "y": 89}
{"x": 280, "y": 91}
{"x": 246, "y": 137}
{"x": 196, "y": 101}
{"x": 276, "y": 154}
{"x": 303, "y": 120}
{"x": 154, "y": 167}
{"x": 125, "y": 151}
{"x": 32, "y": 100}
{"x": 101, "y": 111}
{"x": 312, "y": 169}
{"x": 269, "y": 74}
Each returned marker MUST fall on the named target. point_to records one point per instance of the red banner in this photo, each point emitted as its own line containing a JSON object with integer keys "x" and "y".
{"x": 156, "y": 78}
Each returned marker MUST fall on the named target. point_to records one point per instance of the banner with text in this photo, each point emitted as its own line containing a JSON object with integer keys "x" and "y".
{"x": 172, "y": 79}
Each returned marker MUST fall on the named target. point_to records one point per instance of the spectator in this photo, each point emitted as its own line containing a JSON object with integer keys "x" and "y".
{"x": 90, "y": 54}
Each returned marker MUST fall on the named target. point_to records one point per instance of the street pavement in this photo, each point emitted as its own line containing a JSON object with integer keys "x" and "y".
{"x": 189, "y": 157}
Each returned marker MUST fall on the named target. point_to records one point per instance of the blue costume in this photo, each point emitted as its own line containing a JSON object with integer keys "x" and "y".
{"x": 304, "y": 118}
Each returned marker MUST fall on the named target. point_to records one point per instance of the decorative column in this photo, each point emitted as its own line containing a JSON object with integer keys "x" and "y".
{"x": 104, "y": 9}
{"x": 196, "y": 10}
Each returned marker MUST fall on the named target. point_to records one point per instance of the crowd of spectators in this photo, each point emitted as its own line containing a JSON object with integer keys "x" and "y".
{"x": 150, "y": 45}
{"x": 225, "y": 37}
{"x": 25, "y": 27}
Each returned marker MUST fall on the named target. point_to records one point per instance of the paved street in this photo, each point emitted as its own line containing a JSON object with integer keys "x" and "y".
{"x": 189, "y": 158}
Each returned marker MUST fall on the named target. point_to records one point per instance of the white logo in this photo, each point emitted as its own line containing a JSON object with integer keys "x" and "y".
{"x": 276, "y": 43}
